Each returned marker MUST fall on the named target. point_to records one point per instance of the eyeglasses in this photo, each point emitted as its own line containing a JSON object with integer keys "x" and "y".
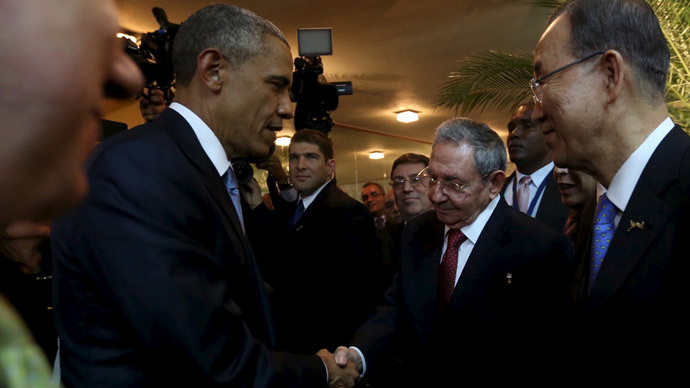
{"x": 373, "y": 195}
{"x": 448, "y": 188}
{"x": 399, "y": 182}
{"x": 537, "y": 83}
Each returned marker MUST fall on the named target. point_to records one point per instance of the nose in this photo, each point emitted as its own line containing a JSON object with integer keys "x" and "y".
{"x": 284, "y": 108}
{"x": 407, "y": 186}
{"x": 436, "y": 195}
{"x": 301, "y": 165}
{"x": 538, "y": 115}
{"x": 559, "y": 172}
{"x": 124, "y": 77}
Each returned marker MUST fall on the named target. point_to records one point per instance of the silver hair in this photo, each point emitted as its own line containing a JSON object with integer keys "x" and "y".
{"x": 236, "y": 32}
{"x": 489, "y": 150}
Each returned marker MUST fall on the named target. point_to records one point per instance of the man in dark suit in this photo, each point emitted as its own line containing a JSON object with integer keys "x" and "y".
{"x": 324, "y": 238}
{"x": 531, "y": 188}
{"x": 155, "y": 281}
{"x": 478, "y": 282}
{"x": 600, "y": 75}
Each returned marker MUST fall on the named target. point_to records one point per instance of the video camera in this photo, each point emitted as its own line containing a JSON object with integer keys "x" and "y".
{"x": 315, "y": 97}
{"x": 153, "y": 55}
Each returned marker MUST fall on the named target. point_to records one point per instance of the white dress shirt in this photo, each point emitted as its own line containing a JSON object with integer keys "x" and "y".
{"x": 623, "y": 183}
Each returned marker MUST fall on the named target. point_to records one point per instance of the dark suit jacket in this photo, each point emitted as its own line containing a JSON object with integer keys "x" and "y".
{"x": 155, "y": 283}
{"x": 489, "y": 318}
{"x": 634, "y": 310}
{"x": 325, "y": 273}
{"x": 551, "y": 210}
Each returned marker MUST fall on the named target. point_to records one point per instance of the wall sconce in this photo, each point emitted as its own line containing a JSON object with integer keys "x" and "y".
{"x": 407, "y": 116}
{"x": 376, "y": 155}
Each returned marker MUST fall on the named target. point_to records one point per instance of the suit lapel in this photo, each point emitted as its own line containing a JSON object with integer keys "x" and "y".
{"x": 474, "y": 276}
{"x": 630, "y": 244}
{"x": 184, "y": 136}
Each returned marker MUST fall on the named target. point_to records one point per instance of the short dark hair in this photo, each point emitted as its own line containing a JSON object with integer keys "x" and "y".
{"x": 317, "y": 138}
{"x": 236, "y": 32}
{"x": 374, "y": 184}
{"x": 627, "y": 26}
{"x": 489, "y": 150}
{"x": 410, "y": 158}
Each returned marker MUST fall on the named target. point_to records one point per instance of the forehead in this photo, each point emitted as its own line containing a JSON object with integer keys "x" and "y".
{"x": 406, "y": 169}
{"x": 370, "y": 189}
{"x": 274, "y": 58}
{"x": 553, "y": 47}
{"x": 303, "y": 148}
{"x": 450, "y": 160}
{"x": 524, "y": 112}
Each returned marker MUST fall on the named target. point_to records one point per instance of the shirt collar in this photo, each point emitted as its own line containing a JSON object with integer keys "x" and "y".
{"x": 537, "y": 176}
{"x": 306, "y": 201}
{"x": 473, "y": 230}
{"x": 208, "y": 140}
{"x": 623, "y": 183}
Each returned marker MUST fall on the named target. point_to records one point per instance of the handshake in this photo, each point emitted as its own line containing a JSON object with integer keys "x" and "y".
{"x": 344, "y": 367}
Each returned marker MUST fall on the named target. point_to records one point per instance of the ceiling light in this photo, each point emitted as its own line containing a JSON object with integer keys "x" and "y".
{"x": 126, "y": 36}
{"x": 376, "y": 155}
{"x": 283, "y": 141}
{"x": 407, "y": 116}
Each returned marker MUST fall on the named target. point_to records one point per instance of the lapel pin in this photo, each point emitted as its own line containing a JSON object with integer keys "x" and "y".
{"x": 509, "y": 278}
{"x": 636, "y": 225}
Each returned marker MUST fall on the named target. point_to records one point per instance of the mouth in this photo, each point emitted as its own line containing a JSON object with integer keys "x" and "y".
{"x": 275, "y": 127}
{"x": 565, "y": 188}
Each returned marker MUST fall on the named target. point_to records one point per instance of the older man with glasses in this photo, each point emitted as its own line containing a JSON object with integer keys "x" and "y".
{"x": 606, "y": 100}
{"x": 478, "y": 281}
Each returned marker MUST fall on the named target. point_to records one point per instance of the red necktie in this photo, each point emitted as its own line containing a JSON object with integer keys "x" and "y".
{"x": 449, "y": 267}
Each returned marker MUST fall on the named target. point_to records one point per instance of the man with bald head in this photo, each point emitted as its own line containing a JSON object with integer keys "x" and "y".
{"x": 599, "y": 84}
{"x": 531, "y": 188}
{"x": 155, "y": 280}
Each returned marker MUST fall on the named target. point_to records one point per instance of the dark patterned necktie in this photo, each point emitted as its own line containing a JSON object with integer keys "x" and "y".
{"x": 449, "y": 267}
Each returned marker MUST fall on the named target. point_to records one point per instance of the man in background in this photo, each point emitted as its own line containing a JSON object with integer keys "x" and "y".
{"x": 531, "y": 188}
{"x": 324, "y": 238}
{"x": 373, "y": 198}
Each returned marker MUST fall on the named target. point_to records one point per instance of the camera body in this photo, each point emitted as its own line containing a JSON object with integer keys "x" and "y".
{"x": 153, "y": 55}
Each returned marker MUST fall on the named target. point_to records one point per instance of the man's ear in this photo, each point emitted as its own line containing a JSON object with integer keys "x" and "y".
{"x": 331, "y": 166}
{"x": 496, "y": 181}
{"x": 210, "y": 64}
{"x": 614, "y": 66}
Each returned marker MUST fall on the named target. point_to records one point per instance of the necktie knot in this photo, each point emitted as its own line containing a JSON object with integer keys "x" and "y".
{"x": 526, "y": 180}
{"x": 455, "y": 238}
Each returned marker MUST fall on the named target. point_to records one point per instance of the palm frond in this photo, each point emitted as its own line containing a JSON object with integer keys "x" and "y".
{"x": 487, "y": 80}
{"x": 674, "y": 18}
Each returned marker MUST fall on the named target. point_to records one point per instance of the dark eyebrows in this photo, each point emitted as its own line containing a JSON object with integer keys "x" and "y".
{"x": 279, "y": 80}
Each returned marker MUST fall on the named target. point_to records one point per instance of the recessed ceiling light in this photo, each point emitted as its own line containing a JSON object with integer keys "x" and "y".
{"x": 376, "y": 155}
{"x": 407, "y": 116}
{"x": 283, "y": 141}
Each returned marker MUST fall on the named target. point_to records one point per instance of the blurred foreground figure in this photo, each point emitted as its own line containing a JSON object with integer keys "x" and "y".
{"x": 51, "y": 86}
